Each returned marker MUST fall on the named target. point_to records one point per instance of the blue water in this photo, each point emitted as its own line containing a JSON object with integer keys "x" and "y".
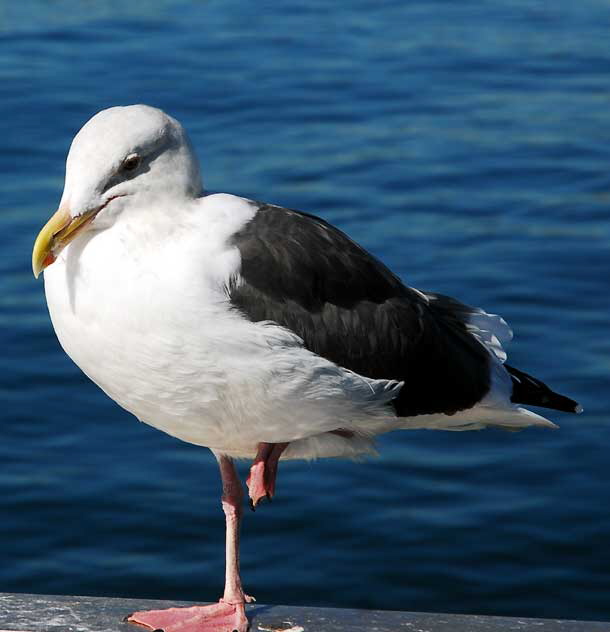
{"x": 465, "y": 144}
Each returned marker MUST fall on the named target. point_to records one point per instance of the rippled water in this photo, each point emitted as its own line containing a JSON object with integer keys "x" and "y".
{"x": 467, "y": 145}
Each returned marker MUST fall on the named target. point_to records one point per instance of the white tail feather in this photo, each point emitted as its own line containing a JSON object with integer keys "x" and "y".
{"x": 478, "y": 417}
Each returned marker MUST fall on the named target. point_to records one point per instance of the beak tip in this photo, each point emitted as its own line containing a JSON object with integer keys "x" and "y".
{"x": 36, "y": 268}
{"x": 45, "y": 246}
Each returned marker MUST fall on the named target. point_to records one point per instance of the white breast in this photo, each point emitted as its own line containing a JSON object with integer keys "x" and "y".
{"x": 142, "y": 309}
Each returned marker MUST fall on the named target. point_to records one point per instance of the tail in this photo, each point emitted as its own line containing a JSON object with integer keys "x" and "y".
{"x": 529, "y": 390}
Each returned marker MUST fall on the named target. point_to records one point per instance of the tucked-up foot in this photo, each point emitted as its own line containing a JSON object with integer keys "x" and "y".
{"x": 261, "y": 482}
{"x": 218, "y": 617}
{"x": 257, "y": 488}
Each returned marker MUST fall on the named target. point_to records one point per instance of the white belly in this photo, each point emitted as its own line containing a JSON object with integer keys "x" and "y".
{"x": 157, "y": 334}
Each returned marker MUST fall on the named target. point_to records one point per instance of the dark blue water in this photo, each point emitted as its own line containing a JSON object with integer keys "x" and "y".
{"x": 468, "y": 146}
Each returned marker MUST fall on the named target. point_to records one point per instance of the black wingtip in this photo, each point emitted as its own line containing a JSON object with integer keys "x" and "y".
{"x": 560, "y": 402}
{"x": 531, "y": 391}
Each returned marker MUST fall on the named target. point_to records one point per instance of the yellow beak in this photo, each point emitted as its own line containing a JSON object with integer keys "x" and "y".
{"x": 57, "y": 233}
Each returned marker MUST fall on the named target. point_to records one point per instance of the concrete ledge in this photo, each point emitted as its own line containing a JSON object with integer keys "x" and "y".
{"x": 43, "y": 613}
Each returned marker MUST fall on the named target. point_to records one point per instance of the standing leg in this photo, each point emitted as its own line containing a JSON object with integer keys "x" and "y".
{"x": 261, "y": 482}
{"x": 232, "y": 498}
{"x": 228, "y": 615}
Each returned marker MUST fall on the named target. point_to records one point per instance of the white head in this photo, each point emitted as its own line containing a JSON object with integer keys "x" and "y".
{"x": 121, "y": 155}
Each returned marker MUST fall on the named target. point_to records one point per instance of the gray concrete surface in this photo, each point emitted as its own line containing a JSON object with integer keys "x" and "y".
{"x": 43, "y": 613}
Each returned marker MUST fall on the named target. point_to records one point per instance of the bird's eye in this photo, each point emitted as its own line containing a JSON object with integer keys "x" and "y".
{"x": 131, "y": 163}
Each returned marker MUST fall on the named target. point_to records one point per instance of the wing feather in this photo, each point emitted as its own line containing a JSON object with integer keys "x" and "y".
{"x": 302, "y": 273}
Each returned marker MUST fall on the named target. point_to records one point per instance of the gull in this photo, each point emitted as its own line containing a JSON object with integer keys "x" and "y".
{"x": 254, "y": 330}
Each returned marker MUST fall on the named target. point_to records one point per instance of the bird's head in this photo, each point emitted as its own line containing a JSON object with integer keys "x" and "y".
{"x": 121, "y": 154}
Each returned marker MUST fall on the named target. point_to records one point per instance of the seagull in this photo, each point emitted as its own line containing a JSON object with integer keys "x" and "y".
{"x": 256, "y": 331}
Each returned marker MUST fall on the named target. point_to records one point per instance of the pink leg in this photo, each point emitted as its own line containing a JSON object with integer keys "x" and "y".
{"x": 228, "y": 615}
{"x": 261, "y": 482}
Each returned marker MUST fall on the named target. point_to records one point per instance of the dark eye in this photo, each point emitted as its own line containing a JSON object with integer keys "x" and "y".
{"x": 131, "y": 163}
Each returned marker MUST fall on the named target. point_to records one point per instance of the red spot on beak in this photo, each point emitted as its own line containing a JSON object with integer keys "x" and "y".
{"x": 49, "y": 259}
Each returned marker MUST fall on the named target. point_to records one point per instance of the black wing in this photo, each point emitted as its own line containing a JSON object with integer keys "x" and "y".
{"x": 302, "y": 273}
